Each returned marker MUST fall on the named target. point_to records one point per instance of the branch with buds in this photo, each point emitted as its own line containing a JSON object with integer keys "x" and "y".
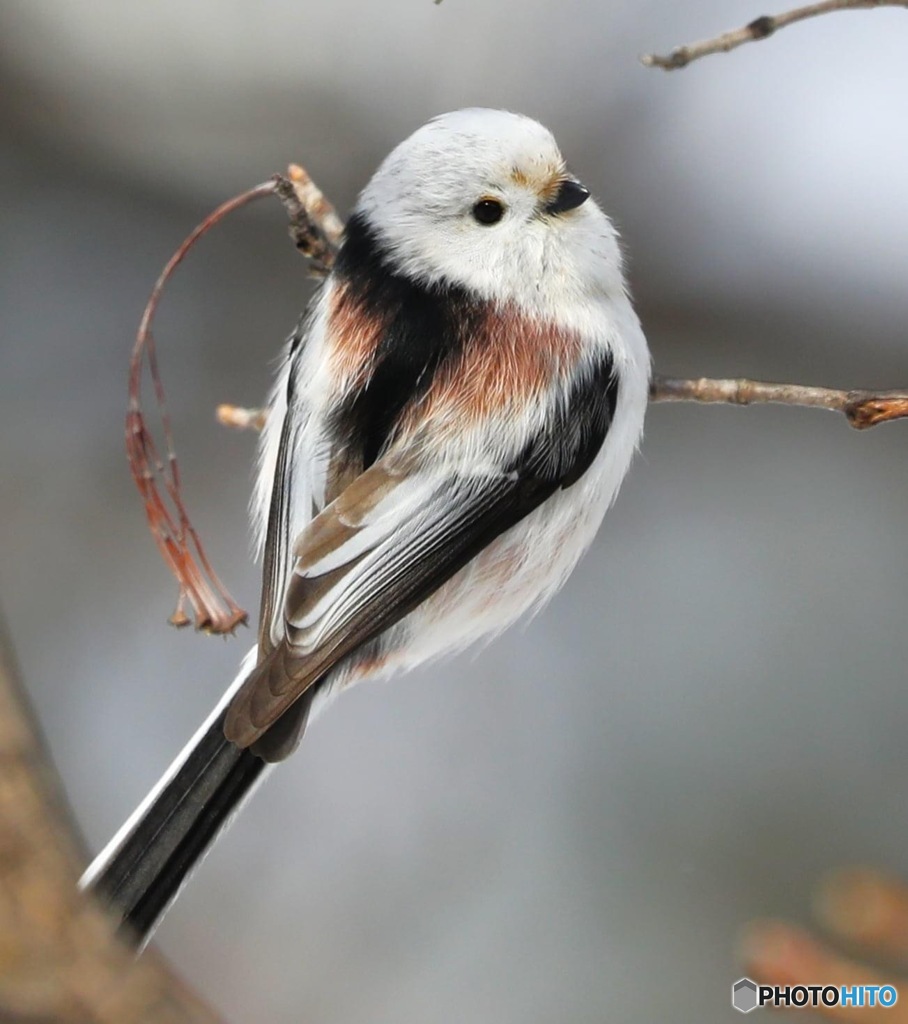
{"x": 760, "y": 28}
{"x": 862, "y": 409}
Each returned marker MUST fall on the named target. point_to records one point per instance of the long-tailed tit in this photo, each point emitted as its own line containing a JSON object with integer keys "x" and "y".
{"x": 448, "y": 427}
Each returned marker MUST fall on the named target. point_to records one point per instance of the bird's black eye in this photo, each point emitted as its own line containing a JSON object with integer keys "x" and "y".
{"x": 488, "y": 211}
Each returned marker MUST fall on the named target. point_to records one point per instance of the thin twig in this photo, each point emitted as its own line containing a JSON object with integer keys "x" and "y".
{"x": 759, "y": 28}
{"x": 862, "y": 409}
{"x": 316, "y": 229}
{"x": 212, "y": 606}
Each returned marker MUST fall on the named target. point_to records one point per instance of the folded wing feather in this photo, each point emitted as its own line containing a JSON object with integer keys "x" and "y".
{"x": 391, "y": 539}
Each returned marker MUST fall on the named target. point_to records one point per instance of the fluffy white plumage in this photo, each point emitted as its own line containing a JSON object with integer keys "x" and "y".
{"x": 564, "y": 271}
{"x": 421, "y": 195}
{"x": 446, "y": 432}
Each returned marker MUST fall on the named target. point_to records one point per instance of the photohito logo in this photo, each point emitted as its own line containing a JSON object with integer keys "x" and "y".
{"x": 747, "y": 995}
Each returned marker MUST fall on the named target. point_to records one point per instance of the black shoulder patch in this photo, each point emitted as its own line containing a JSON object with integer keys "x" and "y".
{"x": 565, "y": 449}
{"x": 426, "y": 326}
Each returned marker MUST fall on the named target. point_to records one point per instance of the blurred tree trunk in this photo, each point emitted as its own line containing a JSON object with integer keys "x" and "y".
{"x": 60, "y": 959}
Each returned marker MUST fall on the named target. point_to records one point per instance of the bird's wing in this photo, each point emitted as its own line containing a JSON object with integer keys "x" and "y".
{"x": 302, "y": 476}
{"x": 396, "y": 534}
{"x": 277, "y": 538}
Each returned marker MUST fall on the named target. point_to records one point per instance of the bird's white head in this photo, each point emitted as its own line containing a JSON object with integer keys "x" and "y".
{"x": 483, "y": 199}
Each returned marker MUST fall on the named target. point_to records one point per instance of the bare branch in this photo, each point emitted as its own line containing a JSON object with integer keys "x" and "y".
{"x": 759, "y": 28}
{"x": 61, "y": 959}
{"x": 861, "y": 408}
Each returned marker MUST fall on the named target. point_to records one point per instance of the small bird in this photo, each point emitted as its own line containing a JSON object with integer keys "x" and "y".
{"x": 449, "y": 424}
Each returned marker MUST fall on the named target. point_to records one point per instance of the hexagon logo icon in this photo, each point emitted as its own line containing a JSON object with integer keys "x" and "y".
{"x": 744, "y": 995}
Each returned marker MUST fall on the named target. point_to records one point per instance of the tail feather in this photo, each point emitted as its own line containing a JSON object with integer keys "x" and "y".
{"x": 145, "y": 872}
{"x": 150, "y": 903}
{"x": 143, "y": 868}
{"x": 141, "y": 875}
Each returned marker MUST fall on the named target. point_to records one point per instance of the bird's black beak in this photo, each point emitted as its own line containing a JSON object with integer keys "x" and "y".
{"x": 569, "y": 196}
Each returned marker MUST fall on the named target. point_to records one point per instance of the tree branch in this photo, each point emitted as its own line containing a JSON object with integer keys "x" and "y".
{"x": 60, "y": 958}
{"x": 862, "y": 409}
{"x": 759, "y": 28}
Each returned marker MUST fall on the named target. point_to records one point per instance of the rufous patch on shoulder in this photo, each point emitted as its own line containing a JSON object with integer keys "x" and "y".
{"x": 510, "y": 360}
{"x": 352, "y": 337}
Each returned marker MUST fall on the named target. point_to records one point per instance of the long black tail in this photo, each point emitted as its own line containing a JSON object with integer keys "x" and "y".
{"x": 143, "y": 868}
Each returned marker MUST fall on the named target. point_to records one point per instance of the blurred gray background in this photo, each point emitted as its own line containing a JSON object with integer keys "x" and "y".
{"x": 572, "y": 824}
